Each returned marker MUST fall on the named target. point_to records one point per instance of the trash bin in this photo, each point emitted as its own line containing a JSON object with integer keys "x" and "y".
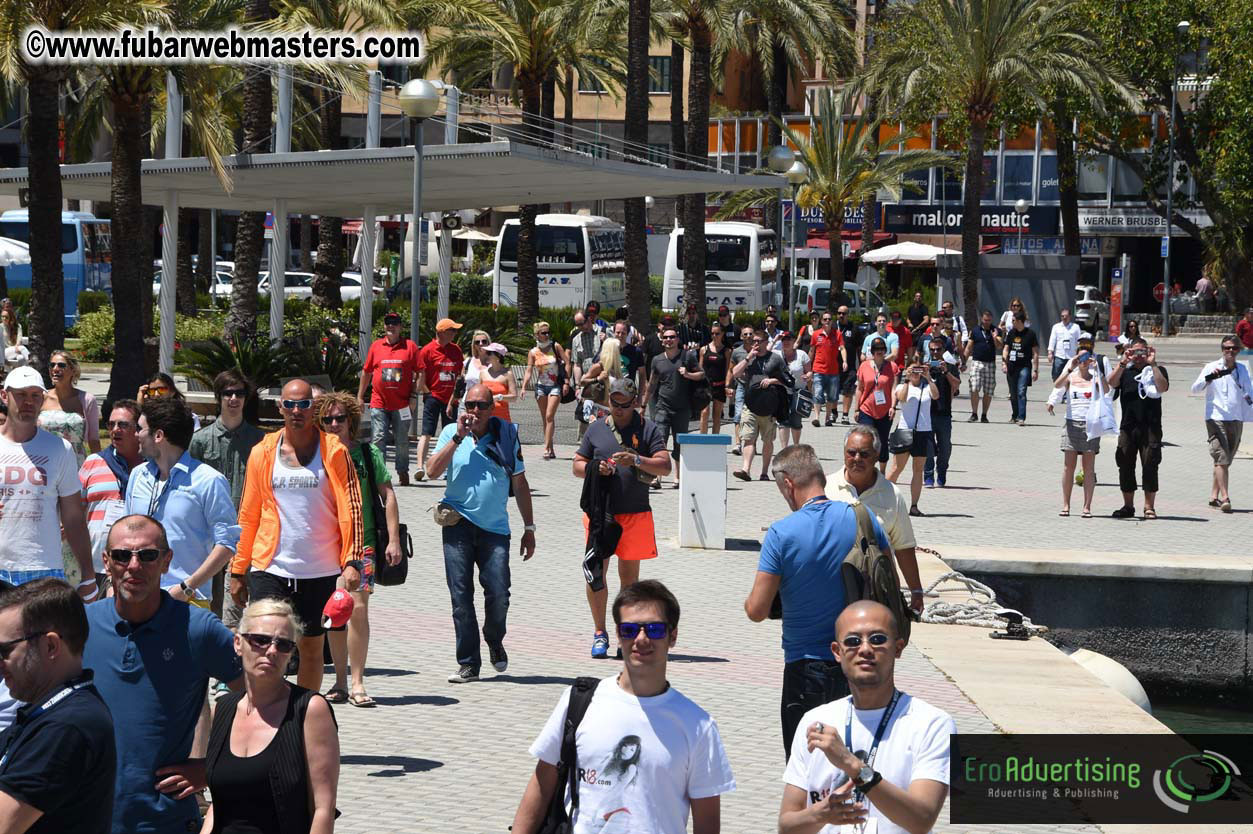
{"x": 703, "y": 497}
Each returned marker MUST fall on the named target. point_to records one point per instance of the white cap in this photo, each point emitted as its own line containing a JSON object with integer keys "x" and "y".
{"x": 25, "y": 377}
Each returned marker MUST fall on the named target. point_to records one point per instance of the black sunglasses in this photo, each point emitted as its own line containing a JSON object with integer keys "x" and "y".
{"x": 655, "y": 631}
{"x": 7, "y": 647}
{"x": 482, "y": 342}
{"x": 853, "y": 641}
{"x": 261, "y": 642}
{"x": 331, "y": 419}
{"x": 478, "y": 404}
{"x": 235, "y": 392}
{"x": 617, "y": 404}
{"x": 864, "y": 454}
{"x": 58, "y": 364}
{"x": 124, "y": 425}
{"x": 122, "y": 555}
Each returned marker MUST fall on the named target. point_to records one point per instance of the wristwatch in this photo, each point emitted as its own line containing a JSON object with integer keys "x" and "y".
{"x": 529, "y": 528}
{"x": 867, "y": 778}
{"x": 354, "y": 563}
{"x": 183, "y": 584}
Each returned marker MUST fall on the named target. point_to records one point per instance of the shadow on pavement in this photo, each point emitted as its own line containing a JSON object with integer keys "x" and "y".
{"x": 396, "y": 765}
{"x": 751, "y": 545}
{"x": 388, "y": 673}
{"x": 528, "y": 679}
{"x": 946, "y": 515}
{"x": 406, "y": 700}
{"x": 695, "y": 658}
{"x": 955, "y": 486}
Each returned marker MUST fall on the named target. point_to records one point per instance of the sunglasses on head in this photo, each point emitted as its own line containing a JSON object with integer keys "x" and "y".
{"x": 124, "y": 425}
{"x": 331, "y": 419}
{"x": 297, "y": 405}
{"x": 654, "y": 631}
{"x": 853, "y": 641}
{"x": 232, "y": 393}
{"x": 482, "y": 405}
{"x": 261, "y": 642}
{"x": 123, "y": 556}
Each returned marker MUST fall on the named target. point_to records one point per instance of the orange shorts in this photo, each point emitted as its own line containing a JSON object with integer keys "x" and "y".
{"x": 638, "y": 541}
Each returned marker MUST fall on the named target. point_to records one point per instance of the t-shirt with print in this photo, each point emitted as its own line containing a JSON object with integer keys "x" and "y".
{"x": 640, "y": 761}
{"x": 1139, "y": 405}
{"x": 392, "y": 369}
{"x": 1079, "y": 395}
{"x": 627, "y": 494}
{"x": 440, "y": 365}
{"x": 1021, "y": 345}
{"x": 37, "y": 475}
{"x": 825, "y": 350}
{"x": 915, "y": 745}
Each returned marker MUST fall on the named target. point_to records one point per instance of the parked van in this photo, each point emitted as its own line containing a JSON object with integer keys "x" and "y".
{"x": 86, "y": 254}
{"x": 581, "y": 258}
{"x": 813, "y": 294}
{"x": 739, "y": 259}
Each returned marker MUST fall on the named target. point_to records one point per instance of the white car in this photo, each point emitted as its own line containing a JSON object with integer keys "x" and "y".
{"x": 1091, "y": 308}
{"x": 300, "y": 285}
{"x": 220, "y": 288}
{"x": 812, "y": 294}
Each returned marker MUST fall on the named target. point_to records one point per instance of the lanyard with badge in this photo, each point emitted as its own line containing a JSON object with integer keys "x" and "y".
{"x": 158, "y": 492}
{"x": 38, "y": 711}
{"x": 878, "y": 735}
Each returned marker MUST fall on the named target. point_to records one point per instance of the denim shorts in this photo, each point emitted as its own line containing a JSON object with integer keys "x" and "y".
{"x": 826, "y": 388}
{"x": 543, "y": 390}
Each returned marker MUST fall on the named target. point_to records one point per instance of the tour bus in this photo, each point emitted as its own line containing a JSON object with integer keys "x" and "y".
{"x": 581, "y": 258}
{"x": 739, "y": 259}
{"x": 86, "y": 254}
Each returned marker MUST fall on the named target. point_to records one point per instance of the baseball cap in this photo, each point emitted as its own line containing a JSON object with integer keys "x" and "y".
{"x": 391, "y": 318}
{"x": 723, "y": 309}
{"x": 622, "y": 386}
{"x": 337, "y": 610}
{"x": 788, "y": 336}
{"x": 446, "y": 324}
{"x": 24, "y": 377}
{"x": 497, "y": 347}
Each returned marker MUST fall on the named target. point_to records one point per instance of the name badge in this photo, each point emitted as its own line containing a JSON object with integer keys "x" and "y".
{"x": 880, "y": 398}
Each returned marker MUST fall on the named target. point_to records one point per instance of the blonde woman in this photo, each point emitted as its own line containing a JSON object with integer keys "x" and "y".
{"x": 547, "y": 361}
{"x": 69, "y": 411}
{"x": 273, "y": 760}
{"x": 594, "y": 385}
{"x": 477, "y": 359}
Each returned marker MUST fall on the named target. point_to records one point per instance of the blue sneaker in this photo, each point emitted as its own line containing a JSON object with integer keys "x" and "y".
{"x": 928, "y": 481}
{"x": 941, "y": 481}
{"x": 600, "y": 645}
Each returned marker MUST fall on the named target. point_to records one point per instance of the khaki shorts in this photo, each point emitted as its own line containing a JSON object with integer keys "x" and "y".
{"x": 1224, "y": 440}
{"x": 754, "y": 426}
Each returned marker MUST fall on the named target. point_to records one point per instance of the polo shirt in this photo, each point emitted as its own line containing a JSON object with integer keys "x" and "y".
{"x": 889, "y": 504}
{"x": 154, "y": 676}
{"x": 477, "y": 486}
{"x": 61, "y": 760}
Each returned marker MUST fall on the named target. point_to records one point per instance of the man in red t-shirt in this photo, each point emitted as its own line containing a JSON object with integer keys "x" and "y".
{"x": 391, "y": 370}
{"x": 441, "y": 365}
{"x": 826, "y": 348}
{"x": 1244, "y": 332}
{"x": 901, "y": 328}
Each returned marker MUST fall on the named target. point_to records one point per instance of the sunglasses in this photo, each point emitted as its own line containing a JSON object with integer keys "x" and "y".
{"x": 261, "y": 642}
{"x": 864, "y": 454}
{"x": 481, "y": 405}
{"x": 297, "y": 405}
{"x": 1232, "y": 349}
{"x": 231, "y": 393}
{"x": 58, "y": 364}
{"x": 853, "y": 641}
{"x": 146, "y": 554}
{"x": 617, "y": 404}
{"x": 332, "y": 419}
{"x": 481, "y": 342}
{"x": 7, "y": 647}
{"x": 161, "y": 391}
{"x": 124, "y": 425}
{"x": 668, "y": 338}
{"x": 543, "y": 335}
{"x": 655, "y": 631}
{"x": 391, "y": 322}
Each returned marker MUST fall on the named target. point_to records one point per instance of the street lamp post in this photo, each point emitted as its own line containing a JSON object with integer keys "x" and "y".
{"x": 649, "y": 202}
{"x": 419, "y": 99}
{"x": 780, "y": 160}
{"x": 796, "y": 175}
{"x": 1182, "y": 30}
{"x": 1021, "y": 207}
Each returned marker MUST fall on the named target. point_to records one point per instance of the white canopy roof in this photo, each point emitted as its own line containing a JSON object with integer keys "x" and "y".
{"x": 906, "y": 253}
{"x": 339, "y": 183}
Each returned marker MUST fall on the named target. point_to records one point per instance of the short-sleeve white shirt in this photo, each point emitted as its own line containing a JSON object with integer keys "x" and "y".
{"x": 884, "y": 499}
{"x": 36, "y": 475}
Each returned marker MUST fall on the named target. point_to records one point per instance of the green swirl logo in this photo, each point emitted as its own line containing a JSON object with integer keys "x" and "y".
{"x": 1194, "y": 779}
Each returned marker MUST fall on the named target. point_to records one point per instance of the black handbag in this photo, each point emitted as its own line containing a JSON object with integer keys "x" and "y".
{"x": 557, "y": 818}
{"x": 568, "y": 393}
{"x": 700, "y": 394}
{"x": 385, "y": 574}
{"x": 901, "y": 440}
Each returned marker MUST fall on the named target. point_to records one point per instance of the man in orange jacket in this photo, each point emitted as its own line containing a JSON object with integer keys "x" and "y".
{"x": 300, "y": 516}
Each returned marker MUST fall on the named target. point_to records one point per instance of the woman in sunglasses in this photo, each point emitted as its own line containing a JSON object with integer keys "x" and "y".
{"x": 69, "y": 411}
{"x": 273, "y": 760}
{"x": 162, "y": 385}
{"x": 340, "y": 414}
{"x": 1007, "y": 318}
{"x": 477, "y": 359}
{"x": 547, "y": 362}
{"x": 498, "y": 379}
{"x": 1079, "y": 386}
{"x": 876, "y": 405}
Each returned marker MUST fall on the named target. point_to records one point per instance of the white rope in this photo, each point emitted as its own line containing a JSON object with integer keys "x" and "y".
{"x": 979, "y": 610}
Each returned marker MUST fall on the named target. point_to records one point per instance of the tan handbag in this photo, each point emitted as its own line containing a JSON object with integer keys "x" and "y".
{"x": 446, "y": 515}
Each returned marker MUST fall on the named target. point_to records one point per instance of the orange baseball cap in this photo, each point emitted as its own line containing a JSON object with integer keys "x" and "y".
{"x": 446, "y": 324}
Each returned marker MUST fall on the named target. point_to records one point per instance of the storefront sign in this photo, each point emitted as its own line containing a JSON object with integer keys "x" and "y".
{"x": 1089, "y": 247}
{"x": 931, "y": 219}
{"x": 1138, "y": 222}
{"x": 812, "y": 218}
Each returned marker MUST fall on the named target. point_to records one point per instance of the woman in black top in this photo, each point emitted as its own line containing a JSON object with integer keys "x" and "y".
{"x": 715, "y": 362}
{"x": 273, "y": 761}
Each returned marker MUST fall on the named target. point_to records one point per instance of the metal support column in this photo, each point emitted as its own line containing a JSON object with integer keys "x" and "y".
{"x": 169, "y": 227}
{"x": 373, "y": 132}
{"x": 278, "y": 246}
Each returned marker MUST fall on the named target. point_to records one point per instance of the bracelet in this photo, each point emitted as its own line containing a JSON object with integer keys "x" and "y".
{"x": 915, "y": 590}
{"x": 529, "y": 528}
{"x": 87, "y": 582}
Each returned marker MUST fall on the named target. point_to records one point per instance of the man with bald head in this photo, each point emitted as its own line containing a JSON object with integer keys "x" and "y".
{"x": 300, "y": 520}
{"x": 879, "y": 756}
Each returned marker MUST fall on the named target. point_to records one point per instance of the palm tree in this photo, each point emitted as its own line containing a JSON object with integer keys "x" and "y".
{"x": 635, "y": 130}
{"x": 846, "y": 162}
{"x": 972, "y": 53}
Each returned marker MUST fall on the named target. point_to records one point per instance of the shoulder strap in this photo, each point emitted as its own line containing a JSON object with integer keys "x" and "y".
{"x": 581, "y": 694}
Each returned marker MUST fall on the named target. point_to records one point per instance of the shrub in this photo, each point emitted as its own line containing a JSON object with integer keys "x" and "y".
{"x": 95, "y": 333}
{"x": 90, "y": 301}
{"x": 470, "y": 289}
{"x": 20, "y": 296}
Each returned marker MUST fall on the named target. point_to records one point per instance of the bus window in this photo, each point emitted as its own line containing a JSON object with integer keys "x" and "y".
{"x": 553, "y": 245}
{"x": 723, "y": 253}
{"x": 20, "y": 230}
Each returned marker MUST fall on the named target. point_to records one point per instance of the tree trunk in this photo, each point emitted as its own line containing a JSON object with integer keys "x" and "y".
{"x": 47, "y": 299}
{"x": 185, "y": 285}
{"x": 678, "y": 141}
{"x": 1067, "y": 175}
{"x": 330, "y": 262}
{"x": 258, "y": 106}
{"x": 567, "y": 117}
{"x": 206, "y": 258}
{"x": 971, "y": 219}
{"x": 698, "y": 150}
{"x": 836, "y": 243}
{"x": 776, "y": 100}
{"x": 548, "y": 123}
{"x": 635, "y": 130}
{"x": 306, "y": 241}
{"x": 528, "y": 270}
{"x": 132, "y": 266}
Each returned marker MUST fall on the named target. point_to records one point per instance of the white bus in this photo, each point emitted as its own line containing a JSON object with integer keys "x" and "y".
{"x": 581, "y": 258}
{"x": 739, "y": 259}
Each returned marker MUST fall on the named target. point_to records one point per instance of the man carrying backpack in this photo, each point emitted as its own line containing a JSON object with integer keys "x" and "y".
{"x": 640, "y": 755}
{"x": 768, "y": 382}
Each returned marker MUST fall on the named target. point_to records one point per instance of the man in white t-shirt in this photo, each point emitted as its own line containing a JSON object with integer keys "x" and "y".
{"x": 41, "y": 495}
{"x": 646, "y": 755}
{"x": 1063, "y": 342}
{"x": 878, "y": 757}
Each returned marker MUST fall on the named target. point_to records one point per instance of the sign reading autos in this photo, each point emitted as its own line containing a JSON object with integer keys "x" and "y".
{"x": 993, "y": 220}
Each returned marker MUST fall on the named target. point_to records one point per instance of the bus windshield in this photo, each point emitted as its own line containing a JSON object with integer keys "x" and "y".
{"x": 553, "y": 245}
{"x": 723, "y": 253}
{"x": 20, "y": 230}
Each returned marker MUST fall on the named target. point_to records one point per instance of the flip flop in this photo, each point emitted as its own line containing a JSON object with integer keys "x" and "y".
{"x": 360, "y": 699}
{"x": 1149, "y": 515}
{"x": 337, "y": 695}
{"x": 1214, "y": 502}
{"x": 1086, "y": 514}
{"x": 1064, "y": 513}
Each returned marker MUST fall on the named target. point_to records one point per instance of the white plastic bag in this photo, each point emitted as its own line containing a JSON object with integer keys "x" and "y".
{"x": 1101, "y": 420}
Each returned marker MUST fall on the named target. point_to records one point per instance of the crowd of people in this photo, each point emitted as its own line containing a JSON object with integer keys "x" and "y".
{"x": 181, "y": 560}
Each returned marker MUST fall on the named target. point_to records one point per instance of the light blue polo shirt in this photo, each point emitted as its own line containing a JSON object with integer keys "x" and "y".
{"x": 153, "y": 677}
{"x": 477, "y": 486}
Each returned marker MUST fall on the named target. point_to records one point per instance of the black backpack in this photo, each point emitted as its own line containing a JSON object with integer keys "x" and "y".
{"x": 557, "y": 819}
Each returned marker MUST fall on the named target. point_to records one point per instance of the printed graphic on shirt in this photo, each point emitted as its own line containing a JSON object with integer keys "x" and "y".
{"x": 304, "y": 480}
{"x": 20, "y": 473}
{"x": 617, "y": 779}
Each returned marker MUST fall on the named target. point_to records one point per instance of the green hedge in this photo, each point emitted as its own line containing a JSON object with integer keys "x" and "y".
{"x": 89, "y": 301}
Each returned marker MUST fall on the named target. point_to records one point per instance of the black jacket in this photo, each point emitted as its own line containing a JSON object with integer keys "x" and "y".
{"x": 602, "y": 531}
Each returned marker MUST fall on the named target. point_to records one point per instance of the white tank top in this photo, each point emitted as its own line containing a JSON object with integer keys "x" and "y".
{"x": 308, "y": 545}
{"x": 1079, "y": 396}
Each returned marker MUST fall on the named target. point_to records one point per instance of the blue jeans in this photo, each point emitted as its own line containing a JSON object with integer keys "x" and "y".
{"x": 1059, "y": 365}
{"x": 467, "y": 545}
{"x": 1019, "y": 379}
{"x": 383, "y": 423}
{"x": 941, "y": 447}
{"x": 807, "y": 684}
{"x": 739, "y": 399}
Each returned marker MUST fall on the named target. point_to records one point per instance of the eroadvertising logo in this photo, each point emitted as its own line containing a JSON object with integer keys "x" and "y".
{"x": 1102, "y": 779}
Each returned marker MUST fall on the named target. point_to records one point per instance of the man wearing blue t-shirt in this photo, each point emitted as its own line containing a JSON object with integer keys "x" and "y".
{"x": 801, "y": 558}
{"x": 153, "y": 657}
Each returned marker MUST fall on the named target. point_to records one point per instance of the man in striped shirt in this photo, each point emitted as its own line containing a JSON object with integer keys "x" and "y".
{"x": 104, "y": 476}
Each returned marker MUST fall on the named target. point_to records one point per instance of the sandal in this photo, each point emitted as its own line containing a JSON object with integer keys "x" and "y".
{"x": 550, "y": 455}
{"x": 337, "y": 695}
{"x": 360, "y": 699}
{"x": 1149, "y": 514}
{"x": 1215, "y": 503}
{"x": 914, "y": 511}
{"x": 1086, "y": 514}
{"x": 1064, "y": 513}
